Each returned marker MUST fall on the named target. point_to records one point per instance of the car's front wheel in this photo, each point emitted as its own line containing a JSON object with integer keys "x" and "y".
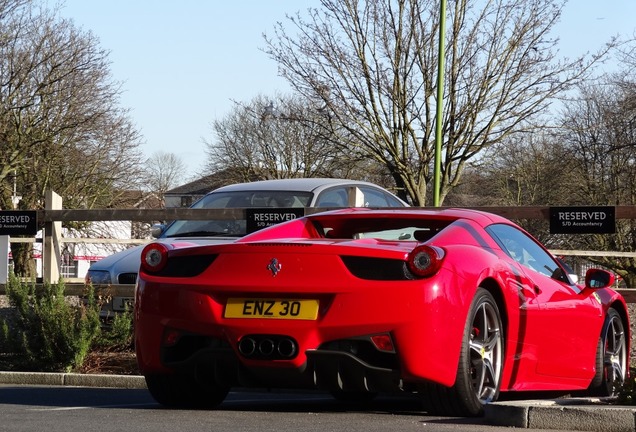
{"x": 480, "y": 364}
{"x": 183, "y": 391}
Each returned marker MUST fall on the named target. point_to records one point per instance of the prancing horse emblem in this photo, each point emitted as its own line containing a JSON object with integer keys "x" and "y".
{"x": 274, "y": 266}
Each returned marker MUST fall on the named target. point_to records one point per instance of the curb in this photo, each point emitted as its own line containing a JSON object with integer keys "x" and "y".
{"x": 73, "y": 379}
{"x": 581, "y": 414}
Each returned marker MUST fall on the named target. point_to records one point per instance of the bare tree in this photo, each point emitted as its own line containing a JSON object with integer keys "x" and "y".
{"x": 61, "y": 126}
{"x": 600, "y": 130}
{"x": 275, "y": 138}
{"x": 372, "y": 65}
{"x": 58, "y": 104}
{"x": 164, "y": 171}
{"x": 533, "y": 169}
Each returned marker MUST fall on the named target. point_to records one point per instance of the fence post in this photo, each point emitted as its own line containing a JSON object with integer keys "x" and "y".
{"x": 4, "y": 259}
{"x": 356, "y": 197}
{"x": 51, "y": 256}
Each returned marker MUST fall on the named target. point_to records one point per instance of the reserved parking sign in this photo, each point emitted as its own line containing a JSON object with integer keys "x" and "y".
{"x": 582, "y": 220}
{"x": 18, "y": 222}
{"x": 259, "y": 218}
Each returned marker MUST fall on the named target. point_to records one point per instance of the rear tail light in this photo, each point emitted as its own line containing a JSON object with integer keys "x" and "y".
{"x": 425, "y": 260}
{"x": 154, "y": 257}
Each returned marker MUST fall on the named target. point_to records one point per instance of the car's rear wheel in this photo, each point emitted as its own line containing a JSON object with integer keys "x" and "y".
{"x": 480, "y": 364}
{"x": 611, "y": 357}
{"x": 183, "y": 391}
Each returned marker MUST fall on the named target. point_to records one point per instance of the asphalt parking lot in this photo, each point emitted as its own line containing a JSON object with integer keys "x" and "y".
{"x": 580, "y": 414}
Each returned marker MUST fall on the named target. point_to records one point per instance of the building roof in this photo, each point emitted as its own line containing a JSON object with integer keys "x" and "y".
{"x": 199, "y": 187}
{"x": 138, "y": 199}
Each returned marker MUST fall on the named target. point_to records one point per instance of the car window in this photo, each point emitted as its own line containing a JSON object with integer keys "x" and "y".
{"x": 235, "y": 199}
{"x": 384, "y": 228}
{"x": 378, "y": 198}
{"x": 338, "y": 197}
{"x": 246, "y": 199}
{"x": 526, "y": 251}
{"x": 406, "y": 233}
{"x": 335, "y": 197}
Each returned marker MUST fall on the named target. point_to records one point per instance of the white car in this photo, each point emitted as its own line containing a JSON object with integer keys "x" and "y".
{"x": 291, "y": 194}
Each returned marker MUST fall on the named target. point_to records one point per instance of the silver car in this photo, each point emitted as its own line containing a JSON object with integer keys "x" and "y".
{"x": 293, "y": 195}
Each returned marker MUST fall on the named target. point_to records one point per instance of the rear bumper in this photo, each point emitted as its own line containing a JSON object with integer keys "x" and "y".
{"x": 323, "y": 370}
{"x": 424, "y": 320}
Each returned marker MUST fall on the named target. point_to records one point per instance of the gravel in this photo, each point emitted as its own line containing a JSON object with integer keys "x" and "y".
{"x": 631, "y": 309}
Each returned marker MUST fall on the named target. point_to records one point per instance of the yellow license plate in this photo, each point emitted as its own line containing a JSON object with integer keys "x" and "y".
{"x": 271, "y": 308}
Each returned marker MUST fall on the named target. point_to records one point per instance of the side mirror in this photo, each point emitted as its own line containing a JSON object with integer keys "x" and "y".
{"x": 597, "y": 278}
{"x": 157, "y": 229}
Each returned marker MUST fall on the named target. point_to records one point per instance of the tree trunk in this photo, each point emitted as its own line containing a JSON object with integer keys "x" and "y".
{"x": 23, "y": 260}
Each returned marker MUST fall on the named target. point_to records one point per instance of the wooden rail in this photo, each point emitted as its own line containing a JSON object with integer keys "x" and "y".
{"x": 53, "y": 215}
{"x": 78, "y": 289}
{"x": 168, "y": 214}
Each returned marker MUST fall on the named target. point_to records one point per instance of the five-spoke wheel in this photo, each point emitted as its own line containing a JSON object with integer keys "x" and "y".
{"x": 480, "y": 364}
{"x": 611, "y": 357}
{"x": 486, "y": 351}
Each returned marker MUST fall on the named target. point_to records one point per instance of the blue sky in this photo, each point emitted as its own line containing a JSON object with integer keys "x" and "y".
{"x": 183, "y": 63}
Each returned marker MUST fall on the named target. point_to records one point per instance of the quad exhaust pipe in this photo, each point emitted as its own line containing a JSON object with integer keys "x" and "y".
{"x": 268, "y": 347}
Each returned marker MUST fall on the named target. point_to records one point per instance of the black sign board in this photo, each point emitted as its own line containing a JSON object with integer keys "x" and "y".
{"x": 259, "y": 218}
{"x": 18, "y": 222}
{"x": 582, "y": 220}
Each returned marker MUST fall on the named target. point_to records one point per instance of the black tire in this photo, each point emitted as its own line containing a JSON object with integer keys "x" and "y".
{"x": 611, "y": 357}
{"x": 182, "y": 391}
{"x": 480, "y": 365}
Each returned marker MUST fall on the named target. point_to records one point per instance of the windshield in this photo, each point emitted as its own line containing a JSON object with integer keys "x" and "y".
{"x": 235, "y": 199}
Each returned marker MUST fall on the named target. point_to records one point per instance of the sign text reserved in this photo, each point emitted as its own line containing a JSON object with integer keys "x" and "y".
{"x": 582, "y": 220}
{"x": 259, "y": 218}
{"x": 18, "y": 222}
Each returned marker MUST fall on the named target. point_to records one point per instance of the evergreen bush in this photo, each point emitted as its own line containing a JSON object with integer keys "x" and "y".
{"x": 627, "y": 392}
{"x": 118, "y": 335}
{"x": 44, "y": 330}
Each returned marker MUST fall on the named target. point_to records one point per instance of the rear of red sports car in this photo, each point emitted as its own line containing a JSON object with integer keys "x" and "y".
{"x": 353, "y": 302}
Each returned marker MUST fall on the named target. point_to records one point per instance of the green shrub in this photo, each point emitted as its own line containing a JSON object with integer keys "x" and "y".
{"x": 46, "y": 332}
{"x": 118, "y": 335}
{"x": 627, "y": 392}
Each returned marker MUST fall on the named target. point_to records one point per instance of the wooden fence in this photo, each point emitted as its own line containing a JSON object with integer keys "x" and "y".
{"x": 53, "y": 216}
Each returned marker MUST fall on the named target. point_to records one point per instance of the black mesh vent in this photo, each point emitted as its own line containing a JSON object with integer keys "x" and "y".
{"x": 127, "y": 278}
{"x": 187, "y": 266}
{"x": 376, "y": 268}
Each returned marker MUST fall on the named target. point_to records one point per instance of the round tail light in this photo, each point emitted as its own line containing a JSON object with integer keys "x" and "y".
{"x": 425, "y": 261}
{"x": 154, "y": 257}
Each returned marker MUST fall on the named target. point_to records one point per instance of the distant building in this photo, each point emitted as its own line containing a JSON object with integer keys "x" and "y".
{"x": 187, "y": 194}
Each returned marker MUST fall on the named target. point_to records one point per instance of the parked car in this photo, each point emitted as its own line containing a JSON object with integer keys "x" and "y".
{"x": 452, "y": 305}
{"x": 122, "y": 268}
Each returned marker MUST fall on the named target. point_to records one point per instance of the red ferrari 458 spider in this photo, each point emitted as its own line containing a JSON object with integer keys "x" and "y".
{"x": 453, "y": 305}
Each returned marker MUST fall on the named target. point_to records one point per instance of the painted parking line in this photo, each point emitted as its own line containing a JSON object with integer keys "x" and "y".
{"x": 74, "y": 408}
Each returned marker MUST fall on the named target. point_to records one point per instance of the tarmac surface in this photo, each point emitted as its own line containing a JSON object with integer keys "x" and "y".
{"x": 572, "y": 414}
